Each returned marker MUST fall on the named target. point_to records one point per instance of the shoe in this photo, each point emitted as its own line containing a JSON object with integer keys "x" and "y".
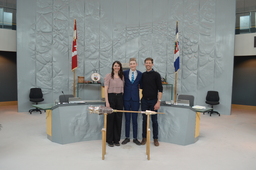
{"x": 125, "y": 141}
{"x": 136, "y": 142}
{"x": 143, "y": 142}
{"x": 156, "y": 143}
{"x": 117, "y": 143}
{"x": 110, "y": 144}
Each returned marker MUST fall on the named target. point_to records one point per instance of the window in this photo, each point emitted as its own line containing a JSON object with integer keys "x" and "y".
{"x": 9, "y": 21}
{"x": 8, "y": 14}
{"x": 246, "y": 22}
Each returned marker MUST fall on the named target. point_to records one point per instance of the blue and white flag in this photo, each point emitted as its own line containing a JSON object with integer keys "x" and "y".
{"x": 176, "y": 50}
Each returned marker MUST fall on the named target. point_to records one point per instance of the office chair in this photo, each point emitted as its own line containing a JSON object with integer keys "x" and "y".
{"x": 36, "y": 96}
{"x": 187, "y": 97}
{"x": 212, "y": 98}
{"x": 65, "y": 98}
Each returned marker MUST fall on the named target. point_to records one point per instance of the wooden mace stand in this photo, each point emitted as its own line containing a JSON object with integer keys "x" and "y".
{"x": 104, "y": 131}
{"x": 148, "y": 138}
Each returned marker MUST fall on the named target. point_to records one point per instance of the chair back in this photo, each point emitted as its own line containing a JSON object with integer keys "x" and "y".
{"x": 212, "y": 96}
{"x": 35, "y": 93}
{"x": 65, "y": 98}
{"x": 187, "y": 97}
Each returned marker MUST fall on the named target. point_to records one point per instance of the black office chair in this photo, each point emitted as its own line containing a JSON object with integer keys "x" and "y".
{"x": 36, "y": 96}
{"x": 212, "y": 98}
{"x": 187, "y": 97}
{"x": 65, "y": 98}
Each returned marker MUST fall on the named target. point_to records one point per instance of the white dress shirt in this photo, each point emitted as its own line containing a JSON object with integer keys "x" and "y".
{"x": 130, "y": 74}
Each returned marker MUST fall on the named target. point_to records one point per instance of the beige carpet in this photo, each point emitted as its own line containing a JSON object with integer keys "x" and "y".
{"x": 225, "y": 143}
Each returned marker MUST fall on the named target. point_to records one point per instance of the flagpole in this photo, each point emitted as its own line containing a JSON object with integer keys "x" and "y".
{"x": 74, "y": 83}
{"x": 175, "y": 87}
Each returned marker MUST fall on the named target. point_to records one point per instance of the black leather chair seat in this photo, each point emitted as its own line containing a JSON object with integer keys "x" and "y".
{"x": 212, "y": 102}
{"x": 37, "y": 100}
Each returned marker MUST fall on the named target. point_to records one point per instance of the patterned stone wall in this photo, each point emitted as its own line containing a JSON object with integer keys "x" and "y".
{"x": 110, "y": 30}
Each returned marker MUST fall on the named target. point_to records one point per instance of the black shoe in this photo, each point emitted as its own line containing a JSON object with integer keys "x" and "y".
{"x": 136, "y": 142}
{"x": 117, "y": 143}
{"x": 110, "y": 144}
{"x": 125, "y": 141}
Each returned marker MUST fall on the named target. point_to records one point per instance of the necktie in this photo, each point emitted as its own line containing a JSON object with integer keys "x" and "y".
{"x": 132, "y": 77}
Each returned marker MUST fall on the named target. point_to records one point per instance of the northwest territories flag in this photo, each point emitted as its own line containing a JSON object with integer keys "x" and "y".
{"x": 74, "y": 48}
{"x": 176, "y": 50}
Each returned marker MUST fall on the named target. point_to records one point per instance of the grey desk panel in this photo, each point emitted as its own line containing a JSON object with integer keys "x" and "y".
{"x": 177, "y": 125}
{"x": 72, "y": 123}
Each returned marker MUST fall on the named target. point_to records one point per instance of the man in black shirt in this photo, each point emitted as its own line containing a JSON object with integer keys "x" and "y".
{"x": 152, "y": 90}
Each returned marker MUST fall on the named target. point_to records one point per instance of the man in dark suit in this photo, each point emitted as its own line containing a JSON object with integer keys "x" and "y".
{"x": 132, "y": 79}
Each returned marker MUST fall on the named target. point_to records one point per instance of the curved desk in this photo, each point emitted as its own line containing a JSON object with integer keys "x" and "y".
{"x": 178, "y": 125}
{"x": 68, "y": 123}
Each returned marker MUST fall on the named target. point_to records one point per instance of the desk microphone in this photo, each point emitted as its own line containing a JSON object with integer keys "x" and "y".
{"x": 64, "y": 97}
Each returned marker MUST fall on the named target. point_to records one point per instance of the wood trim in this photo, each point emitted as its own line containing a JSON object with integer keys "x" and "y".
{"x": 9, "y": 103}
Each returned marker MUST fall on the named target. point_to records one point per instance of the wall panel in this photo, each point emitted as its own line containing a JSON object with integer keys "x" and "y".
{"x": 110, "y": 30}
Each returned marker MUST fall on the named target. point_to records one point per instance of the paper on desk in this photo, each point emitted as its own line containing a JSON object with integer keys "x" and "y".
{"x": 169, "y": 102}
{"x": 198, "y": 107}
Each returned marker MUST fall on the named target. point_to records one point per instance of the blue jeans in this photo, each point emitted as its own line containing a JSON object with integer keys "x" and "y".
{"x": 149, "y": 105}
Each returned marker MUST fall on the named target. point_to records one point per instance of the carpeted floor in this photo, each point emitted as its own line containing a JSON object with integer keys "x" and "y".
{"x": 227, "y": 142}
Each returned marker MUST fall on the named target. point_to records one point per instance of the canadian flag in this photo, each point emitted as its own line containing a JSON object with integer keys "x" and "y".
{"x": 74, "y": 48}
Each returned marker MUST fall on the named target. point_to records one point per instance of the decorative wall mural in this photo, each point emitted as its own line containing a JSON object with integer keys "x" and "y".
{"x": 110, "y": 30}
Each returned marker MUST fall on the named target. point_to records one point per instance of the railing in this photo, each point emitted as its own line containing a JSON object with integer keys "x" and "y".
{"x": 8, "y": 18}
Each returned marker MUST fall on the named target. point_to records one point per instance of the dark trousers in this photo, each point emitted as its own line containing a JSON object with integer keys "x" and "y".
{"x": 149, "y": 105}
{"x": 134, "y": 106}
{"x": 114, "y": 120}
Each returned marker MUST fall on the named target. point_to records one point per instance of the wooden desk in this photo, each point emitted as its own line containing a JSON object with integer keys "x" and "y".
{"x": 198, "y": 111}
{"x": 48, "y": 108}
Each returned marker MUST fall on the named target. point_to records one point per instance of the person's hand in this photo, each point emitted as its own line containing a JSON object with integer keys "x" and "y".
{"x": 107, "y": 104}
{"x": 157, "y": 106}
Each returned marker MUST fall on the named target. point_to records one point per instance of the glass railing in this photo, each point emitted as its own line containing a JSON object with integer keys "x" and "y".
{"x": 246, "y": 22}
{"x": 7, "y": 18}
